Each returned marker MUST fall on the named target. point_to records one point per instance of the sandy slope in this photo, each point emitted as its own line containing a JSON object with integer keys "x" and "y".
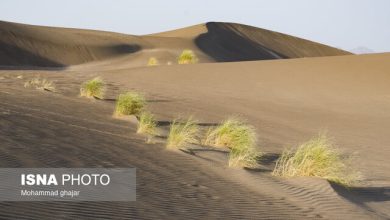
{"x": 68, "y": 131}
{"x": 288, "y": 101}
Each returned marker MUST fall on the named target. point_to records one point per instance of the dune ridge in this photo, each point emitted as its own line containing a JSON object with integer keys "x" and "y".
{"x": 30, "y": 45}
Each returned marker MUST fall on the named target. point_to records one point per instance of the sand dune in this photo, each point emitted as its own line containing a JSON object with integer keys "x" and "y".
{"x": 287, "y": 100}
{"x": 28, "y": 45}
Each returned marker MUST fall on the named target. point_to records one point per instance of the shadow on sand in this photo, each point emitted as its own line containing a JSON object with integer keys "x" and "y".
{"x": 16, "y": 58}
{"x": 151, "y": 100}
{"x": 224, "y": 43}
{"x": 13, "y": 57}
{"x": 168, "y": 123}
{"x": 363, "y": 195}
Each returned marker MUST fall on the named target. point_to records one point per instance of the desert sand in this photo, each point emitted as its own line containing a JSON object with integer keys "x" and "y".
{"x": 288, "y": 88}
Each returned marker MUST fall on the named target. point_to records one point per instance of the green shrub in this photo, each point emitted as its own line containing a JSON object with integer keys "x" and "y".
{"x": 316, "y": 157}
{"x": 130, "y": 103}
{"x": 152, "y": 61}
{"x": 182, "y": 133}
{"x": 147, "y": 124}
{"x": 187, "y": 57}
{"x": 93, "y": 88}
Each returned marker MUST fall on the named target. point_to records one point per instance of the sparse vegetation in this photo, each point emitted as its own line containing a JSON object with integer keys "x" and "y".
{"x": 187, "y": 57}
{"x": 130, "y": 103}
{"x": 240, "y": 138}
{"x": 41, "y": 84}
{"x": 153, "y": 61}
{"x": 316, "y": 157}
{"x": 147, "y": 124}
{"x": 93, "y": 88}
{"x": 182, "y": 133}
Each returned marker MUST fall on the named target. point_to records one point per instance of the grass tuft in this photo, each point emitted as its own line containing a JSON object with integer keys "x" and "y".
{"x": 147, "y": 124}
{"x": 182, "y": 133}
{"x": 187, "y": 57}
{"x": 153, "y": 61}
{"x": 239, "y": 137}
{"x": 316, "y": 157}
{"x": 130, "y": 103}
{"x": 93, "y": 88}
{"x": 41, "y": 84}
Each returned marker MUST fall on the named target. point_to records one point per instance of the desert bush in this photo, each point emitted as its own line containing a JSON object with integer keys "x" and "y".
{"x": 41, "y": 84}
{"x": 316, "y": 157}
{"x": 239, "y": 137}
{"x": 93, "y": 88}
{"x": 130, "y": 103}
{"x": 152, "y": 61}
{"x": 182, "y": 133}
{"x": 147, "y": 124}
{"x": 187, "y": 57}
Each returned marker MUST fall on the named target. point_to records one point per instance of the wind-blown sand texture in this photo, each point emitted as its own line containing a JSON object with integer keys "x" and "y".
{"x": 287, "y": 100}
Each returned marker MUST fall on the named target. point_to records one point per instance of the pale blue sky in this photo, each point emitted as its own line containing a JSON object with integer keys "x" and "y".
{"x": 341, "y": 23}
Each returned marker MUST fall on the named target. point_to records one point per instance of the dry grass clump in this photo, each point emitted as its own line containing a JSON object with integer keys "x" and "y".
{"x": 182, "y": 133}
{"x": 147, "y": 124}
{"x": 233, "y": 133}
{"x": 130, "y": 103}
{"x": 153, "y": 61}
{"x": 41, "y": 84}
{"x": 93, "y": 88}
{"x": 316, "y": 157}
{"x": 243, "y": 157}
{"x": 240, "y": 138}
{"x": 187, "y": 57}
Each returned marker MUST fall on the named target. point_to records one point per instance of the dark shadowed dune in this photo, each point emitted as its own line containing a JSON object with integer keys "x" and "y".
{"x": 237, "y": 42}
